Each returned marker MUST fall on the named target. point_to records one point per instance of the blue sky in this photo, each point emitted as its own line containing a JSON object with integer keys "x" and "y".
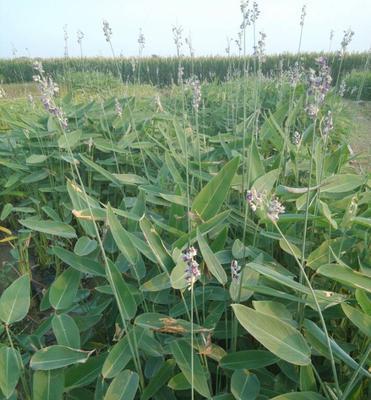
{"x": 35, "y": 27}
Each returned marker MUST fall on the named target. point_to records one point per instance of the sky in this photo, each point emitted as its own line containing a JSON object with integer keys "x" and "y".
{"x": 35, "y": 27}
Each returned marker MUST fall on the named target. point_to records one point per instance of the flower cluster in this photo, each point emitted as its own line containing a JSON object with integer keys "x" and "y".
{"x": 328, "y": 124}
{"x": 195, "y": 85}
{"x": 189, "y": 43}
{"x": 235, "y": 271}
{"x": 347, "y": 38}
{"x": 319, "y": 85}
{"x": 259, "y": 50}
{"x": 255, "y": 199}
{"x": 342, "y": 88}
{"x": 177, "y": 37}
{"x": 48, "y": 90}
{"x": 249, "y": 15}
{"x": 65, "y": 40}
{"x": 107, "y": 30}
{"x": 296, "y": 138}
{"x": 303, "y": 14}
{"x": 275, "y": 208}
{"x": 192, "y": 272}
{"x": 80, "y": 36}
{"x": 294, "y": 74}
{"x": 258, "y": 201}
{"x": 141, "y": 41}
{"x": 118, "y": 108}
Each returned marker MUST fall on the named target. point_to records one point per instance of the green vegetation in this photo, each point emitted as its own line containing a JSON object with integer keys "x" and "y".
{"x": 358, "y": 85}
{"x": 194, "y": 241}
{"x": 164, "y": 71}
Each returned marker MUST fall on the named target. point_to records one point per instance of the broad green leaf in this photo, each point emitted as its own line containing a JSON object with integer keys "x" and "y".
{"x": 361, "y": 320}
{"x": 363, "y": 300}
{"x": 69, "y": 140}
{"x": 277, "y": 336}
{"x": 131, "y": 179}
{"x": 15, "y": 300}
{"x": 178, "y": 276}
{"x": 124, "y": 299}
{"x": 307, "y": 379}
{"x": 66, "y": 331}
{"x": 36, "y": 159}
{"x": 211, "y": 261}
{"x": 63, "y": 290}
{"x": 54, "y": 357}
{"x": 299, "y": 396}
{"x": 49, "y": 227}
{"x": 342, "y": 183}
{"x": 346, "y": 276}
{"x": 182, "y": 353}
{"x": 110, "y": 177}
{"x": 317, "y": 339}
{"x": 158, "y": 380}
{"x": 83, "y": 374}
{"x": 155, "y": 243}
{"x": 121, "y": 353}
{"x": 84, "y": 246}
{"x": 210, "y": 199}
{"x": 244, "y": 385}
{"x": 82, "y": 264}
{"x": 157, "y": 283}
{"x": 10, "y": 370}
{"x": 123, "y": 387}
{"x": 266, "y": 182}
{"x": 125, "y": 245}
{"x": 48, "y": 385}
{"x": 179, "y": 382}
{"x": 248, "y": 359}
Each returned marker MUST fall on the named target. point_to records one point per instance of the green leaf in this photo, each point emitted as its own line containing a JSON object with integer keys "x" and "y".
{"x": 363, "y": 300}
{"x": 158, "y": 380}
{"x": 346, "y": 276}
{"x": 125, "y": 245}
{"x": 36, "y": 159}
{"x": 248, "y": 359}
{"x": 156, "y": 245}
{"x": 121, "y": 353}
{"x": 361, "y": 320}
{"x": 318, "y": 340}
{"x": 110, "y": 177}
{"x": 84, "y": 246}
{"x": 157, "y": 283}
{"x": 124, "y": 299}
{"x": 10, "y": 370}
{"x": 49, "y": 227}
{"x": 211, "y": 261}
{"x": 244, "y": 386}
{"x": 82, "y": 264}
{"x": 54, "y": 357}
{"x": 266, "y": 182}
{"x": 66, "y": 331}
{"x": 182, "y": 353}
{"x": 48, "y": 385}
{"x": 210, "y": 199}
{"x": 123, "y": 387}
{"x": 83, "y": 374}
{"x": 179, "y": 382}
{"x": 278, "y": 337}
{"x": 63, "y": 290}
{"x": 342, "y": 183}
{"x": 15, "y": 300}
{"x": 299, "y": 396}
{"x": 307, "y": 379}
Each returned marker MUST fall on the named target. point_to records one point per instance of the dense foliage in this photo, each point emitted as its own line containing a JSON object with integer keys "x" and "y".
{"x": 207, "y": 241}
{"x": 164, "y": 71}
{"x": 358, "y": 85}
